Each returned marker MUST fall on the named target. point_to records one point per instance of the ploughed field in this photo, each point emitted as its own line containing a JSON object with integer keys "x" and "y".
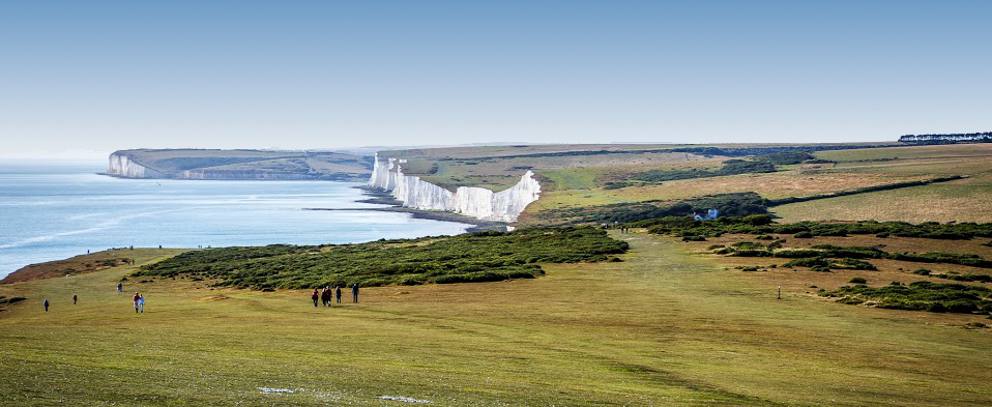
{"x": 663, "y": 326}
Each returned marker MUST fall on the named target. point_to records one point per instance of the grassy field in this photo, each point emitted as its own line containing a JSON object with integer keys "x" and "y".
{"x": 967, "y": 200}
{"x": 962, "y": 201}
{"x": 889, "y": 270}
{"x": 663, "y": 327}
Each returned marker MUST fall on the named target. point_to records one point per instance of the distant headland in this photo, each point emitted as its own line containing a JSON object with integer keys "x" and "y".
{"x": 239, "y": 164}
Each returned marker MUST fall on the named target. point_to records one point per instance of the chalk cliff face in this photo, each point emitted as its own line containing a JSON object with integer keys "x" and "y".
{"x": 123, "y": 166}
{"x": 188, "y": 163}
{"x": 480, "y": 203}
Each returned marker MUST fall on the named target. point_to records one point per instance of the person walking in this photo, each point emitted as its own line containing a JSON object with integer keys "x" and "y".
{"x": 46, "y": 304}
{"x": 325, "y": 296}
{"x": 354, "y": 293}
{"x": 141, "y": 304}
{"x": 120, "y": 287}
{"x": 134, "y": 299}
{"x": 315, "y": 296}
{"x": 337, "y": 293}
{"x": 74, "y": 299}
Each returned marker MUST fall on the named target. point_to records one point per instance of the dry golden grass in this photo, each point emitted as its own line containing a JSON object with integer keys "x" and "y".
{"x": 792, "y": 183}
{"x": 967, "y": 200}
{"x": 912, "y": 152}
{"x": 504, "y": 172}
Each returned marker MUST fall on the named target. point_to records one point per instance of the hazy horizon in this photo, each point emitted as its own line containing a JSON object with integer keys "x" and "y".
{"x": 81, "y": 80}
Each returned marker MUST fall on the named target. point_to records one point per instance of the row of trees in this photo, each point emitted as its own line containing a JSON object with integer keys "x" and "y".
{"x": 984, "y": 137}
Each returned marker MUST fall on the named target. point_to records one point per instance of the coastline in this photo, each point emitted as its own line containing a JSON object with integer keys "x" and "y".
{"x": 137, "y": 211}
{"x": 394, "y": 205}
{"x": 327, "y": 178}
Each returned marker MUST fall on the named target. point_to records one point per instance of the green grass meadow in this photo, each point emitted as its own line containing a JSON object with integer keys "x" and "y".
{"x": 663, "y": 327}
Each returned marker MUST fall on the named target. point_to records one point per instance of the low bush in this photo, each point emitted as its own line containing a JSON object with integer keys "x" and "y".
{"x": 929, "y": 230}
{"x": 948, "y": 258}
{"x": 485, "y": 256}
{"x": 729, "y": 167}
{"x": 858, "y": 280}
{"x": 826, "y": 264}
{"x": 981, "y": 278}
{"x": 11, "y": 300}
{"x": 918, "y": 296}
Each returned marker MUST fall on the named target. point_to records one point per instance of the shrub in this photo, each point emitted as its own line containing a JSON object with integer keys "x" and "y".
{"x": 858, "y": 280}
{"x": 486, "y": 256}
{"x": 803, "y": 235}
{"x": 920, "y": 296}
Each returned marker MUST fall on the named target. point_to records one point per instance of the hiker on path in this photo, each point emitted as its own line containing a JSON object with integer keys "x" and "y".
{"x": 141, "y": 304}
{"x": 354, "y": 293}
{"x": 46, "y": 304}
{"x": 315, "y": 296}
{"x": 337, "y": 293}
{"x": 120, "y": 287}
{"x": 74, "y": 298}
{"x": 134, "y": 299}
{"x": 325, "y": 296}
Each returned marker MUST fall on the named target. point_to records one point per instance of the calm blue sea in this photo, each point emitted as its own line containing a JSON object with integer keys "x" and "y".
{"x": 50, "y": 212}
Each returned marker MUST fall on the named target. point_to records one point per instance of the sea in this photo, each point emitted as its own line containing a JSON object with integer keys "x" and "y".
{"x": 51, "y": 211}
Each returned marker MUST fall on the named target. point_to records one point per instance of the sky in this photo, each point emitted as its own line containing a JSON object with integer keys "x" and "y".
{"x": 82, "y": 79}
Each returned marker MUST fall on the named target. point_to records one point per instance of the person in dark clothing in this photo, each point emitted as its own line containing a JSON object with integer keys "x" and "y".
{"x": 120, "y": 287}
{"x": 325, "y": 296}
{"x": 354, "y": 293}
{"x": 314, "y": 297}
{"x": 74, "y": 298}
{"x": 46, "y": 304}
{"x": 337, "y": 293}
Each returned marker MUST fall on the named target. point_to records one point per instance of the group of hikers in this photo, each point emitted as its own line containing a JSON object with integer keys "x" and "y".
{"x": 139, "y": 303}
{"x": 138, "y": 299}
{"x": 324, "y": 295}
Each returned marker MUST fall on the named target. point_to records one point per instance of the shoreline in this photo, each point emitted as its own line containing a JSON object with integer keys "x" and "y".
{"x": 327, "y": 179}
{"x": 394, "y": 205}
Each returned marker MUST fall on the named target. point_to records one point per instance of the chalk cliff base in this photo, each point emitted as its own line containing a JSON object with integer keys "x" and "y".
{"x": 479, "y": 203}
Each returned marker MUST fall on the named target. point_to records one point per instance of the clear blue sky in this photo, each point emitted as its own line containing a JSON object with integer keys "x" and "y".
{"x": 89, "y": 77}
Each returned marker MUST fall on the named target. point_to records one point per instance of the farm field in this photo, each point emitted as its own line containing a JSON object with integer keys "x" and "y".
{"x": 665, "y": 326}
{"x": 965, "y": 200}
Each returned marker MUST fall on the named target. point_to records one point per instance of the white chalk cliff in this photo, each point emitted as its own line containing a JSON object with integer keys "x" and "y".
{"x": 122, "y": 165}
{"x": 479, "y": 203}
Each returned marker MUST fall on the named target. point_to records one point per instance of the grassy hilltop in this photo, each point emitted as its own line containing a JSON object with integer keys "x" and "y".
{"x": 664, "y": 326}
